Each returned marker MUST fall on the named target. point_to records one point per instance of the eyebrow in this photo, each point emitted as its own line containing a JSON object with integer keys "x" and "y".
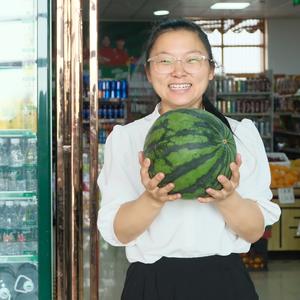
{"x": 189, "y": 52}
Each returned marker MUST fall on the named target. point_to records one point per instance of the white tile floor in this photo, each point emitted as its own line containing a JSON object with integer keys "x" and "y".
{"x": 280, "y": 282}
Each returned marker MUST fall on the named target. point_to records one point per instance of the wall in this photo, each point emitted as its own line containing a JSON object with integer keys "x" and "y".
{"x": 284, "y": 46}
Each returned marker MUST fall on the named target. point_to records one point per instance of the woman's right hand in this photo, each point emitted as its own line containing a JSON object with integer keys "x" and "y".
{"x": 157, "y": 194}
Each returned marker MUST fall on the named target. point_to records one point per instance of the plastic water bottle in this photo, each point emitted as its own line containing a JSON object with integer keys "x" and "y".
{"x": 31, "y": 178}
{"x": 26, "y": 283}
{"x": 16, "y": 153}
{"x": 30, "y": 152}
{"x": 3, "y": 179}
{"x": 4, "y": 151}
{"x": 16, "y": 179}
{"x": 7, "y": 280}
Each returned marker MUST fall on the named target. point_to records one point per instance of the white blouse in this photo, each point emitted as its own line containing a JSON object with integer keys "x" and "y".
{"x": 183, "y": 228}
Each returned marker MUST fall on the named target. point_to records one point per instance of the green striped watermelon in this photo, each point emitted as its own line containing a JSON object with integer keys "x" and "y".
{"x": 191, "y": 147}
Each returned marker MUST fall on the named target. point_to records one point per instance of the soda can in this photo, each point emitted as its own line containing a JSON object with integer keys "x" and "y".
{"x": 124, "y": 86}
{"x": 118, "y": 89}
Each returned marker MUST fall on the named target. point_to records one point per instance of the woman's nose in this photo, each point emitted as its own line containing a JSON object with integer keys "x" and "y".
{"x": 178, "y": 68}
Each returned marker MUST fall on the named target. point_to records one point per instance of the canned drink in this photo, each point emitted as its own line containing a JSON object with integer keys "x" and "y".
{"x": 118, "y": 89}
{"x": 113, "y": 89}
{"x": 124, "y": 86}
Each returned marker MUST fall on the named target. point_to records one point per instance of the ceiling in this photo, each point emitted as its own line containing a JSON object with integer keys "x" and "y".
{"x": 142, "y": 10}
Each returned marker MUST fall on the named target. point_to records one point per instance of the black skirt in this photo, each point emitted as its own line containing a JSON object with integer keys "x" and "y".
{"x": 206, "y": 278}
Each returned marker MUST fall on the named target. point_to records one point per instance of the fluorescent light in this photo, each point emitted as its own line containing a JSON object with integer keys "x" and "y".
{"x": 161, "y": 12}
{"x": 230, "y": 5}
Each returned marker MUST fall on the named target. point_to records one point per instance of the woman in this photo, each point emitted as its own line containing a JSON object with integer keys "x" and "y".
{"x": 183, "y": 250}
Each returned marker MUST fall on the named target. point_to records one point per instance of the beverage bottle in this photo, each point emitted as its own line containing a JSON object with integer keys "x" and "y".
{"x": 30, "y": 152}
{"x": 7, "y": 280}
{"x": 31, "y": 178}
{"x": 4, "y": 151}
{"x": 3, "y": 179}
{"x": 26, "y": 297}
{"x": 26, "y": 280}
{"x": 16, "y": 153}
{"x": 16, "y": 179}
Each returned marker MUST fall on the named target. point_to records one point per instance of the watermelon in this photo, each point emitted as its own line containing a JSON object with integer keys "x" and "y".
{"x": 191, "y": 147}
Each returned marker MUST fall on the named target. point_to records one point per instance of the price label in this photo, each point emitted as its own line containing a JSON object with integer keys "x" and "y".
{"x": 286, "y": 195}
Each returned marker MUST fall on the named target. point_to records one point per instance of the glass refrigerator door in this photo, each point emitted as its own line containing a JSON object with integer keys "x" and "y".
{"x": 19, "y": 192}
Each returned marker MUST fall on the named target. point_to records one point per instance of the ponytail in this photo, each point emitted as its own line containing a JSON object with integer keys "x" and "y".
{"x": 208, "y": 106}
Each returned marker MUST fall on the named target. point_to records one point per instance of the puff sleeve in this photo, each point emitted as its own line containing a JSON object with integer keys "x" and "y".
{"x": 117, "y": 182}
{"x": 255, "y": 177}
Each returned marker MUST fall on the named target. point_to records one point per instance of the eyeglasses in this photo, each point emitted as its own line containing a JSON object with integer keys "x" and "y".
{"x": 165, "y": 64}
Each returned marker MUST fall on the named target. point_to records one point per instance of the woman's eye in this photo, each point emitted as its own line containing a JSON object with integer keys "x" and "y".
{"x": 193, "y": 60}
{"x": 165, "y": 61}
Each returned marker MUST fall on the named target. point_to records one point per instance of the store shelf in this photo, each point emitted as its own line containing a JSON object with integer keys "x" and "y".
{"x": 18, "y": 259}
{"x": 15, "y": 133}
{"x": 7, "y": 195}
{"x": 287, "y": 132}
{"x": 245, "y": 94}
{"x": 247, "y": 114}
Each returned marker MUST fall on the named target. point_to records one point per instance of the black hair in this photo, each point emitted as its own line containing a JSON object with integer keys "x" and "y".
{"x": 184, "y": 24}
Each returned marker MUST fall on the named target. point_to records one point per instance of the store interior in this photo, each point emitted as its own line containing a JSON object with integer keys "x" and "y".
{"x": 264, "y": 87}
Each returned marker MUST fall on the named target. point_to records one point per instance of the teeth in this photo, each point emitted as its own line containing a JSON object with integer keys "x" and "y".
{"x": 180, "y": 86}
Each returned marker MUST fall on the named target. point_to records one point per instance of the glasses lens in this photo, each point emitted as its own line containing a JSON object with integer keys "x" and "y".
{"x": 164, "y": 64}
{"x": 193, "y": 63}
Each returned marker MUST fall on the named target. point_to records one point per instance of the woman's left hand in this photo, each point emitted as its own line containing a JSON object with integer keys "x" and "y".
{"x": 229, "y": 185}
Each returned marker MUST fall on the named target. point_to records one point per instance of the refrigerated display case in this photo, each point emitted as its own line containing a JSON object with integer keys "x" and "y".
{"x": 25, "y": 152}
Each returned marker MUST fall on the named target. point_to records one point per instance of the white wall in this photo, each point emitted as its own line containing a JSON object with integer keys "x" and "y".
{"x": 284, "y": 46}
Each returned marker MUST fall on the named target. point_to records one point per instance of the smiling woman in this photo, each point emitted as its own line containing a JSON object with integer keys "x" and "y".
{"x": 183, "y": 249}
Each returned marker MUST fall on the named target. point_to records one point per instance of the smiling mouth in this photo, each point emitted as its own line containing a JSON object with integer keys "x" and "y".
{"x": 179, "y": 86}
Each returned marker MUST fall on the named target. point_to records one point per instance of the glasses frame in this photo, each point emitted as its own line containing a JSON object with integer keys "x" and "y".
{"x": 182, "y": 60}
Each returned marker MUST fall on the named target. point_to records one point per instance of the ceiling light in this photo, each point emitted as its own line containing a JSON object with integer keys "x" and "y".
{"x": 161, "y": 12}
{"x": 230, "y": 5}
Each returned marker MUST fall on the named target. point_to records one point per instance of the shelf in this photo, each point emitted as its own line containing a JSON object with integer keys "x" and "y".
{"x": 7, "y": 195}
{"x": 103, "y": 121}
{"x": 18, "y": 259}
{"x": 287, "y": 132}
{"x": 12, "y": 133}
{"x": 245, "y": 94}
{"x": 106, "y": 100}
{"x": 288, "y": 114}
{"x": 247, "y": 114}
{"x": 16, "y": 64}
{"x": 291, "y": 150}
{"x": 287, "y": 95}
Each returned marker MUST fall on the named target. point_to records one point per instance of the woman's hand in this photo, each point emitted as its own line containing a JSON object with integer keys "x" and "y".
{"x": 159, "y": 195}
{"x": 229, "y": 185}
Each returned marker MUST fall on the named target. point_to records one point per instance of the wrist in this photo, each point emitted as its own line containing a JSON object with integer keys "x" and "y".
{"x": 152, "y": 201}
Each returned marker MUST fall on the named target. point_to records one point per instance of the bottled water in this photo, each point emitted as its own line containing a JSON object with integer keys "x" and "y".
{"x": 3, "y": 179}
{"x": 4, "y": 150}
{"x": 16, "y": 153}
{"x": 31, "y": 178}
{"x": 30, "y": 152}
{"x": 26, "y": 283}
{"x": 16, "y": 179}
{"x": 7, "y": 280}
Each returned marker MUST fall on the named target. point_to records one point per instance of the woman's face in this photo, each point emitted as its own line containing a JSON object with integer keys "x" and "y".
{"x": 179, "y": 89}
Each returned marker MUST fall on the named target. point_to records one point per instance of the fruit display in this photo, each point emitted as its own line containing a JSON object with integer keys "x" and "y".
{"x": 191, "y": 147}
{"x": 284, "y": 176}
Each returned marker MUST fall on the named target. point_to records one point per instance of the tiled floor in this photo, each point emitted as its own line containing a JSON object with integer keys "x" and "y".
{"x": 280, "y": 282}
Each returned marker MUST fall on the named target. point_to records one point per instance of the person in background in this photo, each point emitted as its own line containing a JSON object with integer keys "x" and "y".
{"x": 106, "y": 53}
{"x": 183, "y": 249}
{"x": 120, "y": 55}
